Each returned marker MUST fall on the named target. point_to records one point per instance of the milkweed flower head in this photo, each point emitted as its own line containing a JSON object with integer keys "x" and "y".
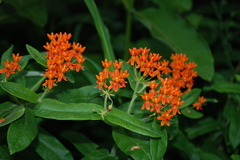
{"x": 114, "y": 80}
{"x": 62, "y": 56}
{"x": 172, "y": 80}
{"x": 11, "y": 66}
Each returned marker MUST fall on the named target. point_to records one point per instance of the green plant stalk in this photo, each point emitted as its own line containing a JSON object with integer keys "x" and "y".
{"x": 128, "y": 34}
{"x": 105, "y": 102}
{"x": 134, "y": 96}
{"x": 38, "y": 83}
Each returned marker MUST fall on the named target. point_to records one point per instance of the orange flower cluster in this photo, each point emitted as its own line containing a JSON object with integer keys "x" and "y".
{"x": 199, "y": 103}
{"x": 10, "y": 67}
{"x": 117, "y": 76}
{"x": 61, "y": 57}
{"x": 165, "y": 91}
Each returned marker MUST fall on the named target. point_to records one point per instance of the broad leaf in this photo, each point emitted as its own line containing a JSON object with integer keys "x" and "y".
{"x": 81, "y": 142}
{"x": 101, "y": 154}
{"x": 54, "y": 109}
{"x": 234, "y": 132}
{"x": 158, "y": 146}
{"x": 190, "y": 97}
{"x": 175, "y": 32}
{"x": 131, "y": 123}
{"x": 40, "y": 58}
{"x": 7, "y": 55}
{"x": 48, "y": 147}
{"x": 22, "y": 132}
{"x": 19, "y": 91}
{"x": 191, "y": 113}
{"x": 16, "y": 113}
{"x": 4, "y": 153}
{"x": 224, "y": 87}
{"x": 132, "y": 144}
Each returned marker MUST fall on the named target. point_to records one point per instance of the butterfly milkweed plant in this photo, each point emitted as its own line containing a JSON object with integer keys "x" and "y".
{"x": 65, "y": 99}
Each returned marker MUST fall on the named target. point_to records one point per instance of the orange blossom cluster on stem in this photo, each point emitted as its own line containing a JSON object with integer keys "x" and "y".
{"x": 164, "y": 95}
{"x": 61, "y": 57}
{"x": 10, "y": 67}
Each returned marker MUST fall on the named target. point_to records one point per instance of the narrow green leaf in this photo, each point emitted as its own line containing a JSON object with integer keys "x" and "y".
{"x": 16, "y": 113}
{"x": 54, "y": 109}
{"x": 7, "y": 55}
{"x": 234, "y": 132}
{"x": 102, "y": 30}
{"x": 224, "y": 87}
{"x": 81, "y": 142}
{"x": 208, "y": 155}
{"x": 191, "y": 113}
{"x": 158, "y": 146}
{"x": 4, "y": 153}
{"x": 175, "y": 5}
{"x": 19, "y": 91}
{"x": 183, "y": 144}
{"x": 48, "y": 147}
{"x": 131, "y": 123}
{"x": 190, "y": 97}
{"x": 180, "y": 36}
{"x": 203, "y": 127}
{"x": 40, "y": 58}
{"x": 22, "y": 132}
{"x": 132, "y": 144}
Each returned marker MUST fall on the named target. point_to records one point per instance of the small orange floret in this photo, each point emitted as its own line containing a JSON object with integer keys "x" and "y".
{"x": 199, "y": 103}
{"x": 165, "y": 118}
{"x": 1, "y": 120}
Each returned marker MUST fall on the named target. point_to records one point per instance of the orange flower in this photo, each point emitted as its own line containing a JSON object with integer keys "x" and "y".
{"x": 10, "y": 67}
{"x": 117, "y": 76}
{"x": 1, "y": 120}
{"x": 165, "y": 118}
{"x": 61, "y": 57}
{"x": 198, "y": 104}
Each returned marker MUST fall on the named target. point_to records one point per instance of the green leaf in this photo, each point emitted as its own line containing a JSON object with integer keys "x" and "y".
{"x": 191, "y": 113}
{"x": 81, "y": 142}
{"x": 237, "y": 76}
{"x": 34, "y": 10}
{"x": 203, "y": 127}
{"x": 40, "y": 58}
{"x": 131, "y": 123}
{"x": 183, "y": 144}
{"x": 235, "y": 157}
{"x": 102, "y": 30}
{"x": 184, "y": 5}
{"x": 54, "y": 109}
{"x": 4, "y": 153}
{"x": 22, "y": 132}
{"x": 208, "y": 155}
{"x": 158, "y": 146}
{"x": 234, "y": 132}
{"x": 101, "y": 154}
{"x": 19, "y": 91}
{"x": 190, "y": 97}
{"x": 132, "y": 144}
{"x": 173, "y": 129}
{"x": 224, "y": 87}
{"x": 7, "y": 55}
{"x": 175, "y": 32}
{"x": 48, "y": 147}
{"x": 79, "y": 95}
{"x": 17, "y": 112}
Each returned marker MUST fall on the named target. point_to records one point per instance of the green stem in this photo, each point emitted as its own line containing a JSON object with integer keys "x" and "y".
{"x": 38, "y": 83}
{"x": 128, "y": 30}
{"x": 134, "y": 96}
{"x": 105, "y": 102}
{"x": 43, "y": 95}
